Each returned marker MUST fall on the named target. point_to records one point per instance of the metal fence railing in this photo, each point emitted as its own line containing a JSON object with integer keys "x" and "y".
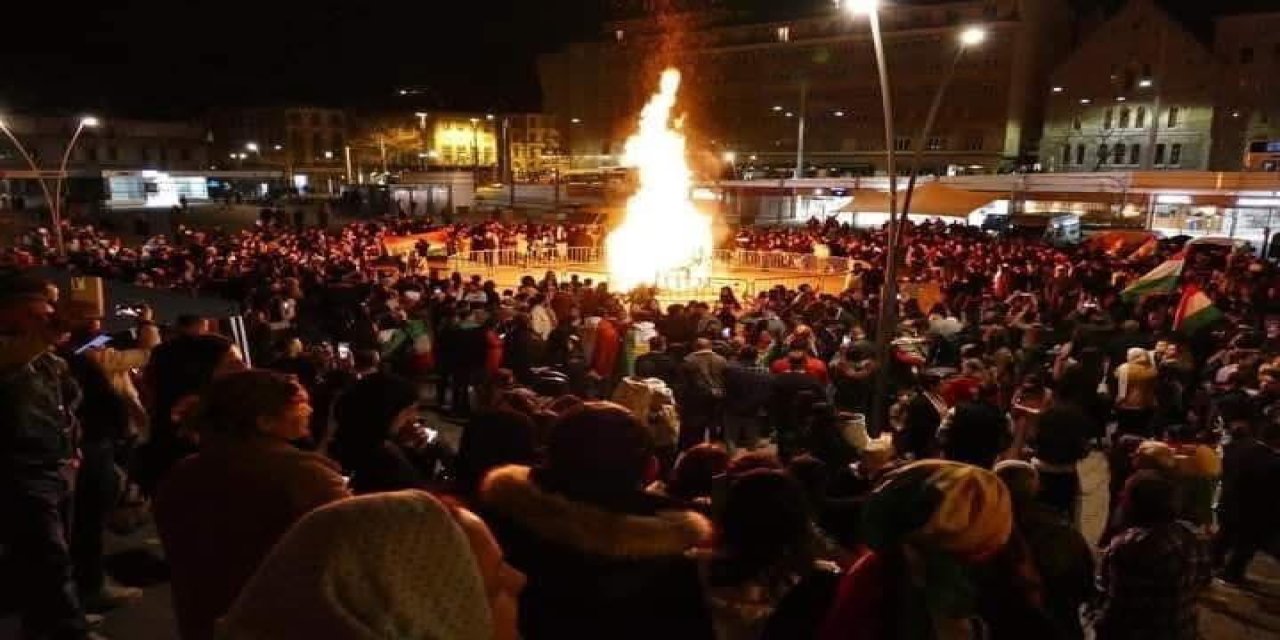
{"x": 821, "y": 271}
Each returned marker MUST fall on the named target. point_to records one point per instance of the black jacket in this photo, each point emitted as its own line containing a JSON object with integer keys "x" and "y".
{"x": 37, "y": 426}
{"x": 660, "y": 365}
{"x": 594, "y": 572}
{"x": 1250, "y": 475}
{"x": 978, "y": 432}
{"x": 920, "y": 432}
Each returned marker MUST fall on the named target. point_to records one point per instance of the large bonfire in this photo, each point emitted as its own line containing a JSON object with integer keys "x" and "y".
{"x": 663, "y": 238}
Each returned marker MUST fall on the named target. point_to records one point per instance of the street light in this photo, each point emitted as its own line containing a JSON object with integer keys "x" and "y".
{"x": 889, "y": 293}
{"x": 970, "y": 37}
{"x": 251, "y": 146}
{"x": 44, "y": 186}
{"x": 55, "y": 212}
{"x": 277, "y": 147}
{"x": 861, "y": 7}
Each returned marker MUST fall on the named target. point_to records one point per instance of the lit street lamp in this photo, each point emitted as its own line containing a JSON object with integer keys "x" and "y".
{"x": 52, "y": 199}
{"x": 970, "y": 37}
{"x": 889, "y": 293}
{"x": 251, "y": 147}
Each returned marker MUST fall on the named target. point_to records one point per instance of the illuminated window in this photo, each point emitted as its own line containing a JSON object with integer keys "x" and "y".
{"x": 1173, "y": 117}
{"x": 1159, "y": 154}
{"x": 784, "y": 34}
{"x": 1106, "y": 119}
{"x": 1140, "y": 117}
{"x": 1175, "y": 155}
{"x": 934, "y": 144}
{"x": 1124, "y": 118}
{"x": 619, "y": 35}
{"x": 1135, "y": 153}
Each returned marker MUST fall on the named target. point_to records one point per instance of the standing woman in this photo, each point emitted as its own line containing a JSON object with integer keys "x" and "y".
{"x": 221, "y": 510}
{"x": 1135, "y": 394}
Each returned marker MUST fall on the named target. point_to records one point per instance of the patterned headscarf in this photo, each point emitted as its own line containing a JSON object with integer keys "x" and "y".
{"x": 390, "y": 565}
{"x": 944, "y": 518}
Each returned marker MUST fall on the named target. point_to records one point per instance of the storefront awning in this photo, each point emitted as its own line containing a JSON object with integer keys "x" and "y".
{"x": 930, "y": 199}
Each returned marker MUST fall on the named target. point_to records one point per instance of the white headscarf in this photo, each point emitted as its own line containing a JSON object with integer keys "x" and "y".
{"x": 382, "y": 566}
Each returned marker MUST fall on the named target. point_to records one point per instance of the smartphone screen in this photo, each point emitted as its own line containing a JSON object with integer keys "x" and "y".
{"x": 96, "y": 343}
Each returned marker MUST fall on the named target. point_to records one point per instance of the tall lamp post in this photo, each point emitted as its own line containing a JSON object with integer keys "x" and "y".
{"x": 889, "y": 293}
{"x": 970, "y": 37}
{"x": 53, "y": 199}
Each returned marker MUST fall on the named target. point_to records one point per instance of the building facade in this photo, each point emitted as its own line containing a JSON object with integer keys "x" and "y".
{"x": 307, "y": 143}
{"x": 112, "y": 144}
{"x": 746, "y": 85}
{"x": 1137, "y": 93}
{"x": 533, "y": 146}
{"x": 1247, "y": 120}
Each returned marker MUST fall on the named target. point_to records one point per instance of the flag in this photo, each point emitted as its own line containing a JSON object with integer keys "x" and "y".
{"x": 1195, "y": 311}
{"x": 1147, "y": 249}
{"x": 1162, "y": 279}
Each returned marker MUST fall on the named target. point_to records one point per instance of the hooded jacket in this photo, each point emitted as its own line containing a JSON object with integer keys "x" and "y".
{"x": 615, "y": 571}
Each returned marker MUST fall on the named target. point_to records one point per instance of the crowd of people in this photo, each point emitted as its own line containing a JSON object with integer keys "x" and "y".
{"x": 630, "y": 467}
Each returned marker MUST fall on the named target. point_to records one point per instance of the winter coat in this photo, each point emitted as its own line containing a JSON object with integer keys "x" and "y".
{"x": 594, "y": 571}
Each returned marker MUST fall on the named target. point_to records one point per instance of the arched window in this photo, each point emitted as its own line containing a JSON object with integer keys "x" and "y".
{"x": 1106, "y": 118}
{"x": 1140, "y": 117}
{"x": 1124, "y": 118}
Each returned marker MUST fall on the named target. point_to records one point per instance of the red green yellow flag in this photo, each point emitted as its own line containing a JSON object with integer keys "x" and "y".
{"x": 1195, "y": 311}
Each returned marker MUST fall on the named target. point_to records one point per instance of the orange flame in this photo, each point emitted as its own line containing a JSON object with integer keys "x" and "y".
{"x": 663, "y": 238}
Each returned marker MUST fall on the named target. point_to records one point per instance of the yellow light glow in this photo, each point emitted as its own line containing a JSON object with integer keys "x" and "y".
{"x": 662, "y": 237}
{"x": 973, "y": 36}
{"x": 861, "y": 7}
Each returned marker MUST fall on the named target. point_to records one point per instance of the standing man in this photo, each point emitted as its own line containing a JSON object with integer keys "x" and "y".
{"x": 37, "y": 399}
{"x": 704, "y": 391}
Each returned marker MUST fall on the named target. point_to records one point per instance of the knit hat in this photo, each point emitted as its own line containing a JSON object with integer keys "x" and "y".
{"x": 944, "y": 517}
{"x": 389, "y": 565}
{"x": 1153, "y": 454}
{"x": 959, "y": 509}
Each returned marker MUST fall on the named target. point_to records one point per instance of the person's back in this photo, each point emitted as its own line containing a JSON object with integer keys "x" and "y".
{"x": 603, "y": 559}
{"x": 976, "y": 433}
{"x": 221, "y": 510}
{"x": 1152, "y": 573}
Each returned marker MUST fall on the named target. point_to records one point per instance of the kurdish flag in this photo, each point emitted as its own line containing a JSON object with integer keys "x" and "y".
{"x": 1147, "y": 249}
{"x": 1195, "y": 311}
{"x": 1162, "y": 279}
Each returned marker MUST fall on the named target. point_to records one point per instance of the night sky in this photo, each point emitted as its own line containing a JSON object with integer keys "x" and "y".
{"x": 169, "y": 58}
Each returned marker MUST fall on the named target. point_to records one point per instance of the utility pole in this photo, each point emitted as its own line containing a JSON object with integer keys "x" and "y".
{"x": 804, "y": 99}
